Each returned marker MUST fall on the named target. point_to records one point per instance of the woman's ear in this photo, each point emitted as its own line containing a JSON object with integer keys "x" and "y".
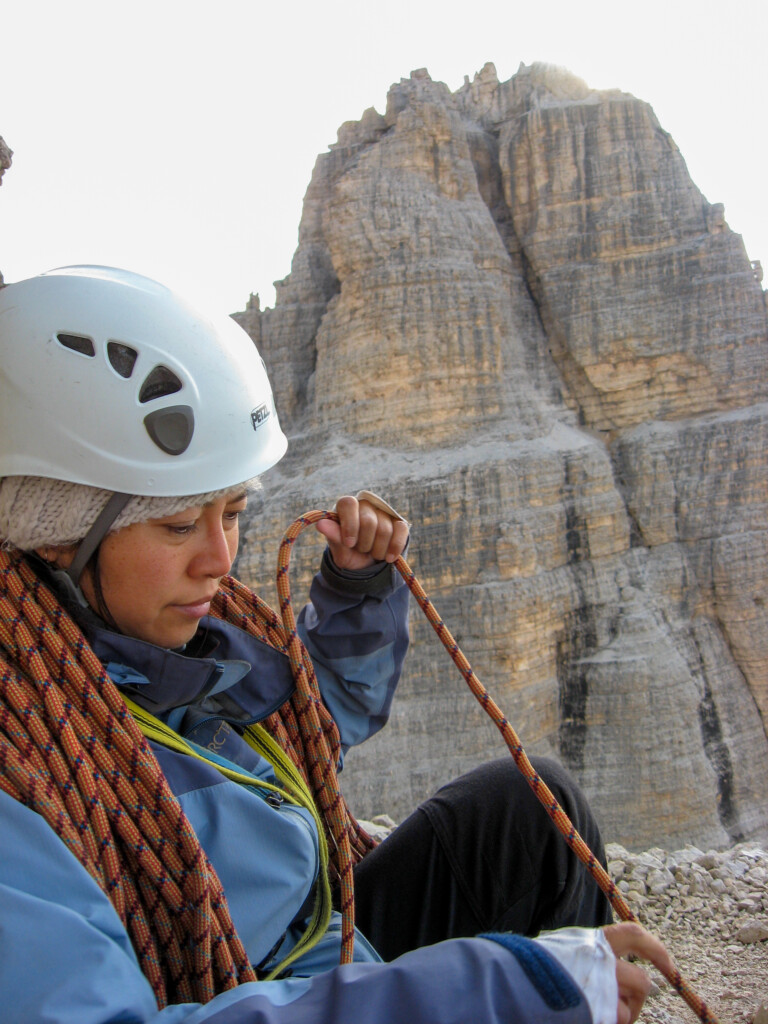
{"x": 61, "y": 557}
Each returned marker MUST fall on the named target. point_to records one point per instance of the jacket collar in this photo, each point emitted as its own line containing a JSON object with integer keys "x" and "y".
{"x": 236, "y": 677}
{"x": 222, "y": 671}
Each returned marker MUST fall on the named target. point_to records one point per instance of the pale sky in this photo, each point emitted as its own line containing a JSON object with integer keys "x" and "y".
{"x": 177, "y": 137}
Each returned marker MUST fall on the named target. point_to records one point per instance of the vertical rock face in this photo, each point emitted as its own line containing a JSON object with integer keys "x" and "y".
{"x": 513, "y": 313}
{"x": 5, "y": 162}
{"x": 631, "y": 268}
{"x": 6, "y": 155}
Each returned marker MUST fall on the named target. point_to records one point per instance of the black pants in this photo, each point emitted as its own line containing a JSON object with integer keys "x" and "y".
{"x": 480, "y": 855}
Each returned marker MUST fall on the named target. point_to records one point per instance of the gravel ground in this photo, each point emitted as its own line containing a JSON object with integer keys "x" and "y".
{"x": 711, "y": 911}
{"x": 710, "y": 908}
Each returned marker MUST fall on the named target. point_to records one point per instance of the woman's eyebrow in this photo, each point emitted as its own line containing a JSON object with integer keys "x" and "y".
{"x": 231, "y": 501}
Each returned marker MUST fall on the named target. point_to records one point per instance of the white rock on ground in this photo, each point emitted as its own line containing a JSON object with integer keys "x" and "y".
{"x": 710, "y": 908}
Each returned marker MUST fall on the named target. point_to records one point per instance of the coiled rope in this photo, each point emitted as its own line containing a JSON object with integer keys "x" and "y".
{"x": 304, "y": 728}
{"x": 545, "y": 796}
{"x": 71, "y": 751}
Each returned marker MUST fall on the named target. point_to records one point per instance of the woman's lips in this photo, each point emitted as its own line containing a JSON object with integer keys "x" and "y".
{"x": 195, "y": 610}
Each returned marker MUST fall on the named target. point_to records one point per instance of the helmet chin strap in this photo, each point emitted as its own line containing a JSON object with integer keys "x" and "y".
{"x": 91, "y": 541}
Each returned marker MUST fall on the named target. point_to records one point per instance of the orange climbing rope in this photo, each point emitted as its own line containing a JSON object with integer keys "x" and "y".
{"x": 304, "y": 728}
{"x": 71, "y": 751}
{"x": 537, "y": 784}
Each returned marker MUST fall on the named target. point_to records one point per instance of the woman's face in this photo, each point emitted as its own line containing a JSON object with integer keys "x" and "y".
{"x": 157, "y": 578}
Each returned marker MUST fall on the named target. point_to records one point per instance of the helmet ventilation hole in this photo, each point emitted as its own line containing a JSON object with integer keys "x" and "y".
{"x": 159, "y": 382}
{"x": 77, "y": 343}
{"x": 171, "y": 429}
{"x": 122, "y": 358}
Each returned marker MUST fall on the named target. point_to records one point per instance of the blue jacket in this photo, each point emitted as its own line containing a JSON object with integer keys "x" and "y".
{"x": 64, "y": 954}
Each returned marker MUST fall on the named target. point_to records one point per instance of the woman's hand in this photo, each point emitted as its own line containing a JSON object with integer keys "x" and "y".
{"x": 634, "y": 984}
{"x": 364, "y": 534}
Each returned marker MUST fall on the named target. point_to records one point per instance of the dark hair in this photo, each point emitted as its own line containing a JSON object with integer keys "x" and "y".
{"x": 102, "y": 607}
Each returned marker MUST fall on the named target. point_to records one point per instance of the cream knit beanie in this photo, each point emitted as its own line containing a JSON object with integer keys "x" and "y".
{"x": 37, "y": 512}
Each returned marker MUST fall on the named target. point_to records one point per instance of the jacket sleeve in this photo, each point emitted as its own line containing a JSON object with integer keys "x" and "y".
{"x": 356, "y": 630}
{"x": 66, "y": 959}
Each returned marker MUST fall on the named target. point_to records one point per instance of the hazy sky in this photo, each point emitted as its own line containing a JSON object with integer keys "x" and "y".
{"x": 177, "y": 138}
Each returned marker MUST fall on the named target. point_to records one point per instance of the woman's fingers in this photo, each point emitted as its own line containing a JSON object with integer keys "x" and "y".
{"x": 363, "y": 535}
{"x": 633, "y": 983}
{"x": 348, "y": 511}
{"x": 630, "y": 937}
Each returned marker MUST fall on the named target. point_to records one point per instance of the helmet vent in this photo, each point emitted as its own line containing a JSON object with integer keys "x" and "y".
{"x": 159, "y": 382}
{"x": 122, "y": 358}
{"x": 77, "y": 343}
{"x": 171, "y": 429}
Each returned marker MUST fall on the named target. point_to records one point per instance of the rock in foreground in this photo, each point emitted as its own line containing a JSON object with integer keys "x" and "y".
{"x": 711, "y": 911}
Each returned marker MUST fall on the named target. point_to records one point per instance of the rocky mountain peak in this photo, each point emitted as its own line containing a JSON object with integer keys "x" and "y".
{"x": 513, "y": 313}
{"x": 6, "y": 158}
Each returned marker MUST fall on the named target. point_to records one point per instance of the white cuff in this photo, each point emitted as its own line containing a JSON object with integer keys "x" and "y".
{"x": 585, "y": 954}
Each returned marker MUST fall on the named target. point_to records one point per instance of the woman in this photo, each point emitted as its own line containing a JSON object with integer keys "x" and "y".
{"x": 168, "y": 790}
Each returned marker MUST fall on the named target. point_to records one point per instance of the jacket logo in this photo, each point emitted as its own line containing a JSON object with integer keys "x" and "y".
{"x": 220, "y": 737}
{"x": 259, "y": 415}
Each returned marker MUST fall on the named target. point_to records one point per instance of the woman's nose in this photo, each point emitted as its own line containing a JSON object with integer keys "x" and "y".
{"x": 217, "y": 555}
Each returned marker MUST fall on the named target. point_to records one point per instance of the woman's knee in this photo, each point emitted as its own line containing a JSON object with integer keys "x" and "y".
{"x": 493, "y": 778}
{"x": 499, "y": 789}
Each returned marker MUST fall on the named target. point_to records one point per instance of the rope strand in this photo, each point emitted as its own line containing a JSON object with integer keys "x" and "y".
{"x": 71, "y": 751}
{"x": 545, "y": 796}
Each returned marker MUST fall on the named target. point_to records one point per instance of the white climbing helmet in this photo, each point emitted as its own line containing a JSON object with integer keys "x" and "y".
{"x": 110, "y": 379}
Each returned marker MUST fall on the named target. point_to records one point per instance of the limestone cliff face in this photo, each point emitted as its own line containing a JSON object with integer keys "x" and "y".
{"x": 6, "y": 156}
{"x": 513, "y": 313}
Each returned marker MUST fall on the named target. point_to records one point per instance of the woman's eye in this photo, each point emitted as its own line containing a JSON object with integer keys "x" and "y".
{"x": 181, "y": 531}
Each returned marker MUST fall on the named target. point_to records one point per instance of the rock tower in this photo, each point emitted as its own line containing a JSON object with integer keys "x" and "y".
{"x": 512, "y": 313}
